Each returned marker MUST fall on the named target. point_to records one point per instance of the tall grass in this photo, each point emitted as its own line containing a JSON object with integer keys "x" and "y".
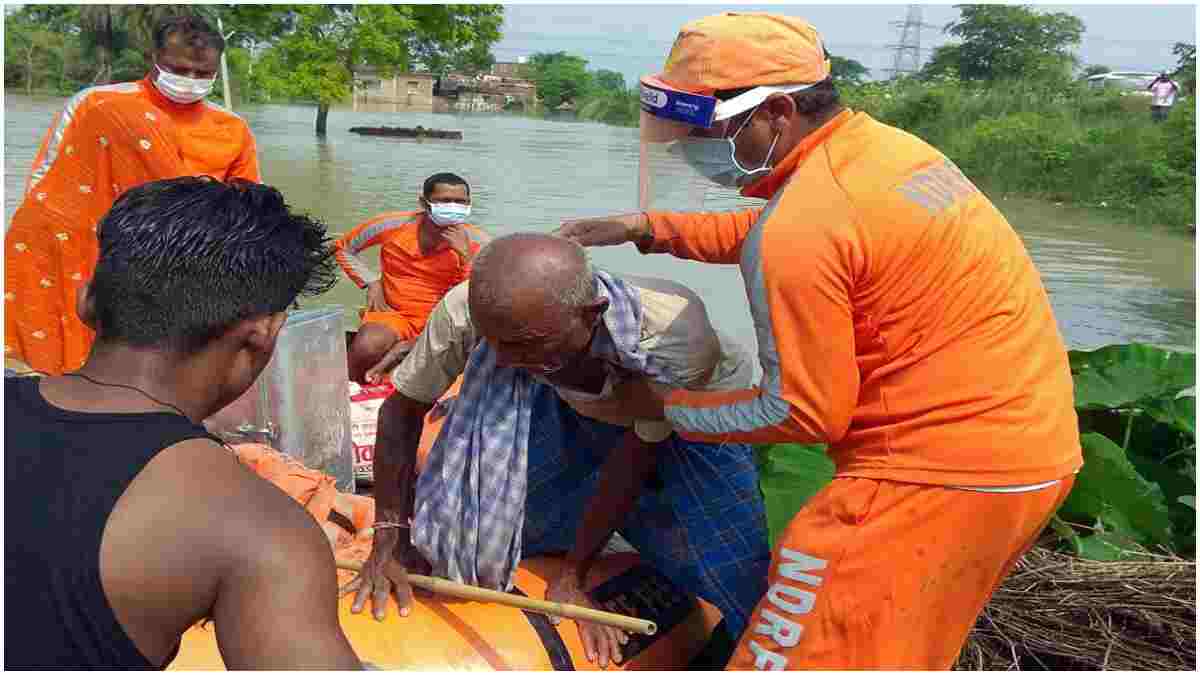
{"x": 1064, "y": 143}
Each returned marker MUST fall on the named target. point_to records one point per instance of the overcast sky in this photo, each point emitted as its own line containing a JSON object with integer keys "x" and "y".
{"x": 634, "y": 39}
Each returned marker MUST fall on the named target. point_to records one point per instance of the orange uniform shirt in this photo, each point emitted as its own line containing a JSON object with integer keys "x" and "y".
{"x": 413, "y": 281}
{"x": 211, "y": 140}
{"x": 899, "y": 318}
{"x": 106, "y": 140}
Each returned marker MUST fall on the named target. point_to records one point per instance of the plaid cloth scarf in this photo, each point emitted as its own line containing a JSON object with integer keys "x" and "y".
{"x": 470, "y": 497}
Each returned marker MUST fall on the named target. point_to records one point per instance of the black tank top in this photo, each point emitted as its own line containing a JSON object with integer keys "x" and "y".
{"x": 63, "y": 473}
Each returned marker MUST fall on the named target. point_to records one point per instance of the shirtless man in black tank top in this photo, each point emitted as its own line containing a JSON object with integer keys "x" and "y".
{"x": 126, "y": 523}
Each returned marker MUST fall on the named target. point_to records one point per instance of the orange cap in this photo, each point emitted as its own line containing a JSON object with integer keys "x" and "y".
{"x": 737, "y": 50}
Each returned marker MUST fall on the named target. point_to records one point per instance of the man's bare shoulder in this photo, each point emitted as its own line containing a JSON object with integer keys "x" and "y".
{"x": 192, "y": 519}
{"x": 197, "y": 535}
{"x": 196, "y": 495}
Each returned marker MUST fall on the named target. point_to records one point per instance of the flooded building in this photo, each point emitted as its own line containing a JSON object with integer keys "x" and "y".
{"x": 400, "y": 92}
{"x": 426, "y": 92}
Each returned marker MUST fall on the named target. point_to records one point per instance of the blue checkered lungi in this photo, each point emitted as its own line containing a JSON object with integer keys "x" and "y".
{"x": 702, "y": 522}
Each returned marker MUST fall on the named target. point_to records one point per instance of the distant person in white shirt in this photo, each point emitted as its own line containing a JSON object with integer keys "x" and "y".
{"x": 1163, "y": 91}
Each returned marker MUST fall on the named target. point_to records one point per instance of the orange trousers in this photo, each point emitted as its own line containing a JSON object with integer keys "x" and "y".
{"x": 875, "y": 574}
{"x": 405, "y": 328}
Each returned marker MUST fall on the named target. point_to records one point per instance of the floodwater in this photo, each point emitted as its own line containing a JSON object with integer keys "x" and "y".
{"x": 1109, "y": 281}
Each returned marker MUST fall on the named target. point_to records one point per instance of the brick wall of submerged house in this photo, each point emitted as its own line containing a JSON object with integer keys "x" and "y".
{"x": 424, "y": 92}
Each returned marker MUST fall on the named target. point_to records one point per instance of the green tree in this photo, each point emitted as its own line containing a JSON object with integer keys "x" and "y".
{"x": 847, "y": 71}
{"x": 1185, "y": 69}
{"x": 1008, "y": 41}
{"x": 944, "y": 63}
{"x": 560, "y": 77}
{"x": 609, "y": 81}
{"x": 104, "y": 35}
{"x": 141, "y": 20}
{"x": 29, "y": 49}
{"x": 456, "y": 38}
{"x": 326, "y": 43}
{"x": 1095, "y": 69}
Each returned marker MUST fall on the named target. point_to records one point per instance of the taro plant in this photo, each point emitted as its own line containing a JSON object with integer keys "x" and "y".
{"x": 1137, "y": 419}
{"x": 1136, "y": 492}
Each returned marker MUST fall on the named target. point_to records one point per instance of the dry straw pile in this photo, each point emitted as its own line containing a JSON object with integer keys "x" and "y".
{"x": 1060, "y": 612}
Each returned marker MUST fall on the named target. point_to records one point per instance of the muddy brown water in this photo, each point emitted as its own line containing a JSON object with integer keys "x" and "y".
{"x": 1108, "y": 280}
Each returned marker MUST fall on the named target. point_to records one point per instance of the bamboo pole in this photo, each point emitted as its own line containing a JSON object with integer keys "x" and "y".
{"x": 466, "y": 592}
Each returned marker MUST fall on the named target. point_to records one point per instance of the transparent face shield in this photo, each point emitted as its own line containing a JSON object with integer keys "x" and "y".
{"x": 686, "y": 158}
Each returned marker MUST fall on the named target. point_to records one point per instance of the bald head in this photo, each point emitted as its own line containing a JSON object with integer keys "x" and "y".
{"x": 531, "y": 271}
{"x": 533, "y": 296}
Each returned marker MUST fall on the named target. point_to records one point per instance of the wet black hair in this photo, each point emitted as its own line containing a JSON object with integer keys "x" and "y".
{"x": 194, "y": 31}
{"x": 443, "y": 179}
{"x": 183, "y": 260}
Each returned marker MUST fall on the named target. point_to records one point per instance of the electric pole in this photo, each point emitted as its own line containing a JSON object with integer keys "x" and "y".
{"x": 908, "y": 53}
{"x": 224, "y": 66}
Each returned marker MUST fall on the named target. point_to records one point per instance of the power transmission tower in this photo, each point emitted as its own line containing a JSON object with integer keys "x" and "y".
{"x": 908, "y": 53}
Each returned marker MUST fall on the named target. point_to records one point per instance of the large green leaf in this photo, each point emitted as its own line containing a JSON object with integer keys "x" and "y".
{"x": 1110, "y": 489}
{"x": 1103, "y": 546}
{"x": 1176, "y": 485}
{"x": 789, "y": 475}
{"x": 1177, "y": 412}
{"x": 1118, "y": 376}
{"x": 1097, "y": 546}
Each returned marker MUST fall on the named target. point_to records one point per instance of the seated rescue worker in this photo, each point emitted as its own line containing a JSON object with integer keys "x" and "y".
{"x": 425, "y": 253}
{"x": 126, "y": 523}
{"x": 538, "y": 454}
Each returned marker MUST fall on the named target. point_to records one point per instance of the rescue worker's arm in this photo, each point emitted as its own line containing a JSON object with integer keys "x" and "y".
{"x": 349, "y": 245}
{"x": 246, "y": 164}
{"x": 439, "y": 355}
{"x": 811, "y": 380}
{"x": 478, "y": 239}
{"x": 708, "y": 237}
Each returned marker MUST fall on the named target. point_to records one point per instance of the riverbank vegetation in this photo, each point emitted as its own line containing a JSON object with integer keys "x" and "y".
{"x": 1061, "y": 142}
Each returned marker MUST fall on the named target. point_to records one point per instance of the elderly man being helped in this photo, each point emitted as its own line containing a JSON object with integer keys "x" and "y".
{"x": 552, "y": 350}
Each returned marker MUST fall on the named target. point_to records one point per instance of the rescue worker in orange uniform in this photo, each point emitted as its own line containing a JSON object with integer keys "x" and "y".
{"x": 107, "y": 140}
{"x": 425, "y": 253}
{"x": 900, "y": 320}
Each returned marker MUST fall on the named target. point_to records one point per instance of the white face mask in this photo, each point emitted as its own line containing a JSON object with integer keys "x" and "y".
{"x": 182, "y": 89}
{"x": 716, "y": 158}
{"x": 449, "y": 213}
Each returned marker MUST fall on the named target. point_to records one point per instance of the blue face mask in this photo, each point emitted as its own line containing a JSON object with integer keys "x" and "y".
{"x": 716, "y": 158}
{"x": 449, "y": 213}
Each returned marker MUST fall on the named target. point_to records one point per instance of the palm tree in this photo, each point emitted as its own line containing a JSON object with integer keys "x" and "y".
{"x": 100, "y": 25}
{"x": 109, "y": 28}
{"x": 141, "y": 21}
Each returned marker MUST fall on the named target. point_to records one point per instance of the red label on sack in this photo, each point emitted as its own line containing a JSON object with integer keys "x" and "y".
{"x": 364, "y": 419}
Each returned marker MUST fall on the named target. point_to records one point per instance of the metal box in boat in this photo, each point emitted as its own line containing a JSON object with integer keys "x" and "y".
{"x": 300, "y": 403}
